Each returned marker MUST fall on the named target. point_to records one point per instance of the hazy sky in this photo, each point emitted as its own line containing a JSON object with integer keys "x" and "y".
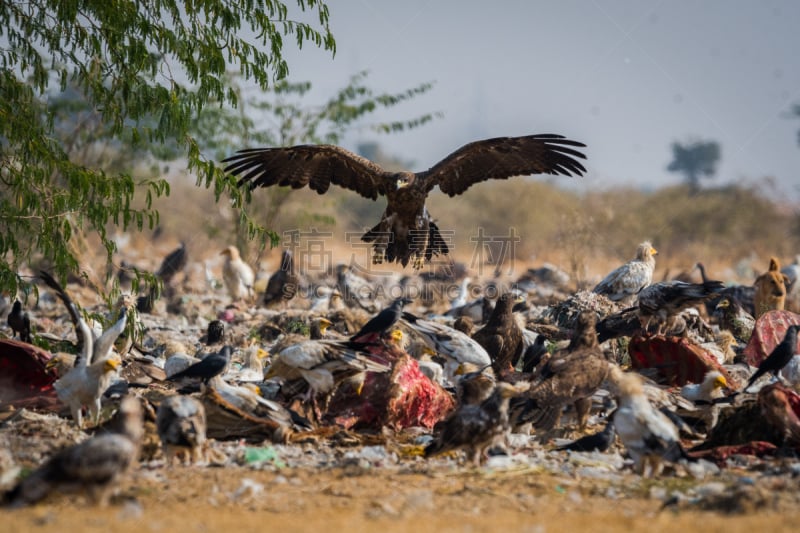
{"x": 627, "y": 77}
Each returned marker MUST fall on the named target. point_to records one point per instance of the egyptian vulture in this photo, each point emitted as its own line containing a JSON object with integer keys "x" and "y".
{"x": 455, "y": 347}
{"x": 95, "y": 367}
{"x": 712, "y": 388}
{"x": 237, "y": 275}
{"x": 625, "y": 282}
{"x": 322, "y": 364}
{"x": 648, "y": 434}
{"x": 406, "y": 231}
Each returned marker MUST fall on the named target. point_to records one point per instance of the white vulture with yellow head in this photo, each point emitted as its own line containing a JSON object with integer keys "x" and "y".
{"x": 625, "y": 282}
{"x": 712, "y": 388}
{"x": 648, "y": 434}
{"x": 96, "y": 365}
{"x": 237, "y": 275}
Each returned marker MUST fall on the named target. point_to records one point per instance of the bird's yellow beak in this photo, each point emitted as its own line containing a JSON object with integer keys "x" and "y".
{"x": 461, "y": 370}
{"x": 402, "y": 183}
{"x": 653, "y": 251}
{"x": 111, "y": 364}
{"x": 720, "y": 383}
{"x": 253, "y": 388}
{"x": 52, "y": 363}
{"x": 396, "y": 336}
{"x": 261, "y": 354}
{"x": 324, "y": 324}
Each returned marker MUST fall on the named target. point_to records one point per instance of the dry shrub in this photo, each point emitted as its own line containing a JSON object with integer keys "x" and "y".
{"x": 585, "y": 233}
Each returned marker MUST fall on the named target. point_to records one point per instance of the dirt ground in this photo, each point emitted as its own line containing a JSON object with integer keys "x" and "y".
{"x": 410, "y": 496}
{"x": 354, "y": 499}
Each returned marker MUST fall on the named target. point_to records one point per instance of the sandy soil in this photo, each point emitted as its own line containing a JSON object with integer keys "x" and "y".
{"x": 355, "y": 499}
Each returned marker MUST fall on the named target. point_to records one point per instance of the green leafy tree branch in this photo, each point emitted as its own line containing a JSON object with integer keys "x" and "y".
{"x": 147, "y": 69}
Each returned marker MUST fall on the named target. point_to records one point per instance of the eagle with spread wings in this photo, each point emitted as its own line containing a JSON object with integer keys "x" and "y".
{"x": 406, "y": 231}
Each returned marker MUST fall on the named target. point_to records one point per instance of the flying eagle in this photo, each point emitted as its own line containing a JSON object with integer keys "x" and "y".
{"x": 406, "y": 231}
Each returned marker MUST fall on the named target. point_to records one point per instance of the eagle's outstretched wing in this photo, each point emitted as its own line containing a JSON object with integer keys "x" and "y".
{"x": 502, "y": 158}
{"x": 317, "y": 166}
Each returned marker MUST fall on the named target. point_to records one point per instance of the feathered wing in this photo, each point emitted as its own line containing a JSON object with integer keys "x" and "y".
{"x": 626, "y": 280}
{"x": 247, "y": 400}
{"x": 93, "y": 464}
{"x": 676, "y": 295}
{"x": 461, "y": 428}
{"x": 173, "y": 263}
{"x": 570, "y": 378}
{"x": 82, "y": 329}
{"x": 63, "y": 296}
{"x": 104, "y": 343}
{"x": 315, "y": 166}
{"x": 449, "y": 342}
{"x": 647, "y": 432}
{"x": 502, "y": 158}
{"x": 578, "y": 376}
{"x": 317, "y": 361}
{"x": 660, "y": 435}
{"x": 181, "y": 424}
{"x": 98, "y": 460}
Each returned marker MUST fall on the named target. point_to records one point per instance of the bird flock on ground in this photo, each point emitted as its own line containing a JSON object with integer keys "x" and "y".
{"x": 501, "y": 357}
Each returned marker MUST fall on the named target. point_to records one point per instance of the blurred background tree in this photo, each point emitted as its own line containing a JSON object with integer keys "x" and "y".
{"x": 694, "y": 160}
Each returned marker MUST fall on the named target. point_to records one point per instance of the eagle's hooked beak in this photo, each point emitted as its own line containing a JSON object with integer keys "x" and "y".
{"x": 402, "y": 182}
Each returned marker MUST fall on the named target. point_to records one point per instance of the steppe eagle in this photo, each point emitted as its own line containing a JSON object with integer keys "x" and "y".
{"x": 406, "y": 231}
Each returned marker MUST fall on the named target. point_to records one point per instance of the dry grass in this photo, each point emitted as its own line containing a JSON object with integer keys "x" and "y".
{"x": 732, "y": 230}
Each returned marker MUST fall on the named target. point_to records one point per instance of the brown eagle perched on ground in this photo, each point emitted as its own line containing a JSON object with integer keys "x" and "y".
{"x": 568, "y": 377}
{"x": 94, "y": 466}
{"x": 406, "y": 231}
{"x": 502, "y": 337}
{"x": 475, "y": 427}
